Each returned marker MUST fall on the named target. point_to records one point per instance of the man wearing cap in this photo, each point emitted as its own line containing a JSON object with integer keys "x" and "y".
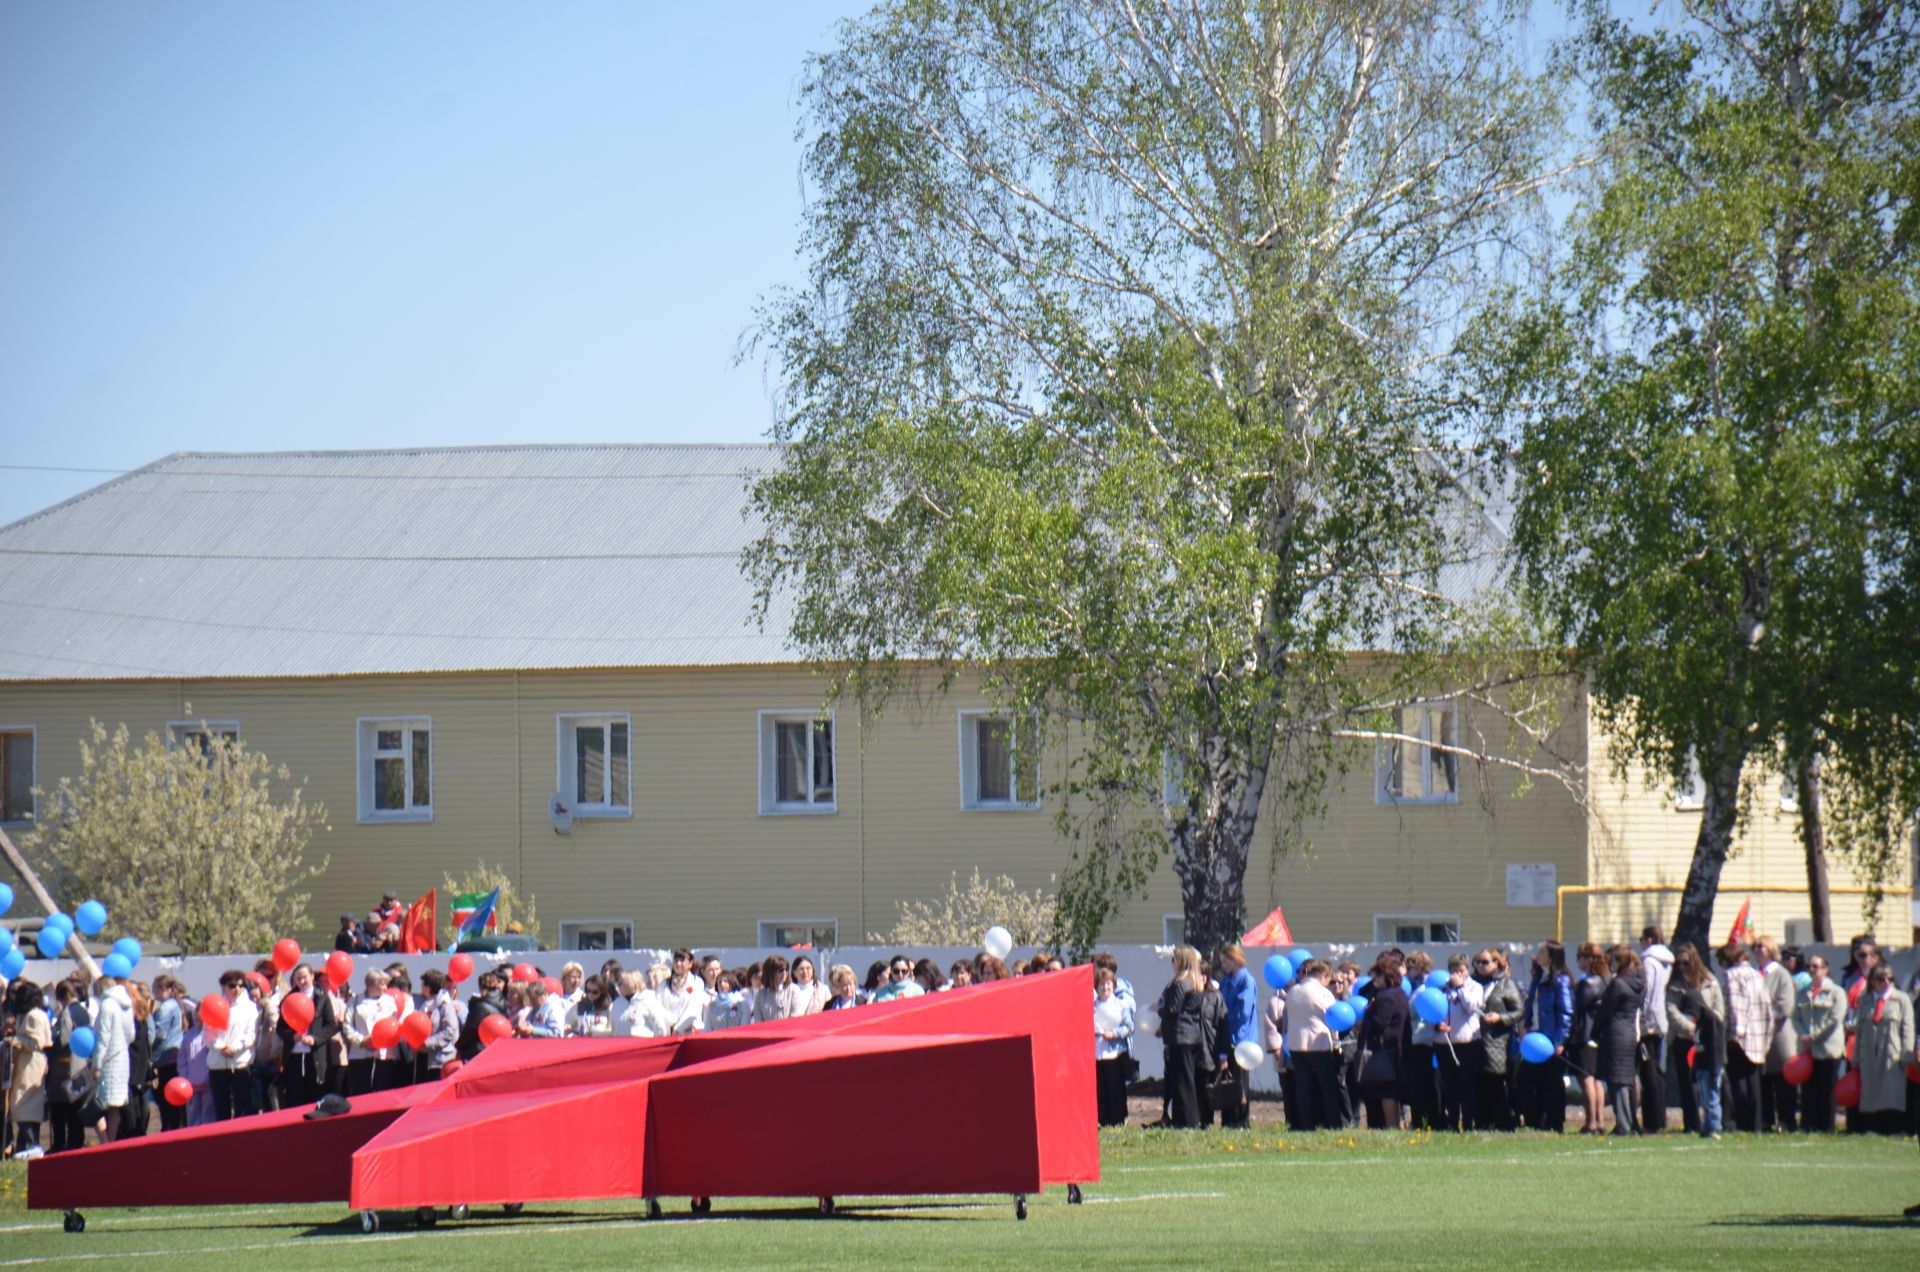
{"x": 350, "y": 938}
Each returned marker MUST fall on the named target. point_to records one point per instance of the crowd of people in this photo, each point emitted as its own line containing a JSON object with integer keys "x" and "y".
{"x": 1761, "y": 1038}
{"x": 253, "y": 1055}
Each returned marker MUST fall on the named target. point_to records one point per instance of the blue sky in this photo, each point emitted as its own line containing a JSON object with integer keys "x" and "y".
{"x": 244, "y": 226}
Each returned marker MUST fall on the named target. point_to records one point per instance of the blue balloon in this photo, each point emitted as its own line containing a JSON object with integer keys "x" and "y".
{"x": 1802, "y": 979}
{"x": 90, "y": 918}
{"x": 116, "y": 966}
{"x": 6, "y": 897}
{"x": 1278, "y": 971}
{"x": 1359, "y": 1005}
{"x": 128, "y": 946}
{"x": 1299, "y": 958}
{"x": 6, "y": 940}
{"x": 1341, "y": 1017}
{"x": 1536, "y": 1048}
{"x": 59, "y": 920}
{"x": 52, "y": 941}
{"x": 1430, "y": 1005}
{"x": 13, "y": 962}
{"x": 1438, "y": 980}
{"x": 83, "y": 1042}
{"x": 1364, "y": 980}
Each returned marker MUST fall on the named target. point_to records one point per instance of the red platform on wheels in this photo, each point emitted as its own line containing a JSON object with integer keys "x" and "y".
{"x": 985, "y": 1089}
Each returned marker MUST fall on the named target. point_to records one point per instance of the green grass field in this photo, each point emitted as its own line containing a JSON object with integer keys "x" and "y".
{"x": 1216, "y": 1200}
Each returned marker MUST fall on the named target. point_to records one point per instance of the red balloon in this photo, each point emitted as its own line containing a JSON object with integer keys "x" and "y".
{"x": 1851, "y": 1039}
{"x": 1913, "y": 1071}
{"x": 415, "y": 1029}
{"x": 525, "y": 972}
{"x": 286, "y": 953}
{"x": 1798, "y": 1069}
{"x": 266, "y": 986}
{"x": 451, "y": 1067}
{"x": 297, "y": 1011}
{"x": 494, "y": 1028}
{"x": 1692, "y": 1054}
{"x": 552, "y": 983}
{"x": 1846, "y": 1092}
{"x": 179, "y": 1091}
{"x": 339, "y": 969}
{"x": 215, "y": 1010}
{"x": 385, "y": 1032}
{"x": 459, "y": 967}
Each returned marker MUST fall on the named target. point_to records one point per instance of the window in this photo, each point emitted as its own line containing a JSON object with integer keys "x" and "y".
{"x": 396, "y": 770}
{"x": 596, "y": 934}
{"x": 1789, "y": 792}
{"x": 1173, "y": 929}
{"x": 199, "y": 734}
{"x": 998, "y": 768}
{"x": 1691, "y": 796}
{"x": 821, "y": 934}
{"x": 16, "y": 773}
{"x": 796, "y": 762}
{"x": 1414, "y": 772}
{"x": 1798, "y": 931}
{"x": 1404, "y": 929}
{"x": 596, "y": 765}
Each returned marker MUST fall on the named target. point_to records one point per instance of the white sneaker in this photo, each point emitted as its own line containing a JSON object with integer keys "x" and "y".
{"x": 30, "y": 1152}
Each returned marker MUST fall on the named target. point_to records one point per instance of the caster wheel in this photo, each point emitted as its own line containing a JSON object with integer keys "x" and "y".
{"x": 73, "y": 1221}
{"x": 826, "y": 1205}
{"x": 1019, "y": 1207}
{"x": 369, "y": 1221}
{"x": 514, "y": 1207}
{"x": 653, "y": 1207}
{"x": 1074, "y": 1196}
{"x": 425, "y": 1217}
{"x": 457, "y": 1213}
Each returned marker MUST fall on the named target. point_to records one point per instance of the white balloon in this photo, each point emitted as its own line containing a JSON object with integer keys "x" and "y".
{"x": 997, "y": 942}
{"x": 1248, "y": 1055}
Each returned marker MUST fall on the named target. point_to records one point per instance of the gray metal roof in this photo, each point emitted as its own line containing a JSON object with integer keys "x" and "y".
{"x": 355, "y": 562}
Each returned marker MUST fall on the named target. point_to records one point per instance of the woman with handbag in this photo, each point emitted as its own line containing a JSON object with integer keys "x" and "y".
{"x": 65, "y": 1070}
{"x": 1386, "y": 1033}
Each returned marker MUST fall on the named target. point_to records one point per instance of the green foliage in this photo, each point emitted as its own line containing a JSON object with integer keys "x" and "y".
{"x": 1714, "y": 411}
{"x": 963, "y": 913}
{"x": 1116, "y": 384}
{"x": 510, "y": 909}
{"x": 187, "y": 844}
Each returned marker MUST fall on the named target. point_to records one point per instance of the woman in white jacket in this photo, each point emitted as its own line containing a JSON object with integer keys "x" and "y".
{"x": 113, "y": 1030}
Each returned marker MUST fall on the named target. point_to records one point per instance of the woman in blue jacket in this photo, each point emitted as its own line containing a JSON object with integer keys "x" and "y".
{"x": 1242, "y": 999}
{"x": 1549, "y": 1010}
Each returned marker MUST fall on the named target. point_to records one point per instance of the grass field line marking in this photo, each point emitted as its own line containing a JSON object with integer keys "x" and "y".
{"x": 1179, "y": 1196}
{"x": 352, "y": 1238}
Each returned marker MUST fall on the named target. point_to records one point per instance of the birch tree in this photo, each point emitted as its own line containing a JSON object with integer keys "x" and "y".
{"x": 1719, "y": 451}
{"x": 1120, "y": 381}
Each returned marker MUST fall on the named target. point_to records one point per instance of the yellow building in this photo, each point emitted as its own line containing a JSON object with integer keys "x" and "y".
{"x": 464, "y": 653}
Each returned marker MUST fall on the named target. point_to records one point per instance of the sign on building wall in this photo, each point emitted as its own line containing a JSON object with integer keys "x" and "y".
{"x": 1531, "y": 882}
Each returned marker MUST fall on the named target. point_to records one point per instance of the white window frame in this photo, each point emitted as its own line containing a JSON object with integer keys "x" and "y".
{"x": 177, "y": 727}
{"x": 1384, "y": 764}
{"x": 366, "y": 733}
{"x": 1691, "y": 795}
{"x": 770, "y": 806}
{"x": 1383, "y": 927}
{"x": 1789, "y": 798}
{"x": 763, "y": 935}
{"x": 570, "y": 930}
{"x": 1173, "y": 929}
{"x": 33, "y": 777}
{"x": 970, "y": 801}
{"x": 565, "y": 725}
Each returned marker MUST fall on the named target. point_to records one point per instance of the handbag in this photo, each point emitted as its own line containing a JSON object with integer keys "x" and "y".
{"x": 1377, "y": 1068}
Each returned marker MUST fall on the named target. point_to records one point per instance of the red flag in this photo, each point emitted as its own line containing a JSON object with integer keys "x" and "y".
{"x": 416, "y": 930}
{"x": 1740, "y": 935}
{"x": 1269, "y": 932}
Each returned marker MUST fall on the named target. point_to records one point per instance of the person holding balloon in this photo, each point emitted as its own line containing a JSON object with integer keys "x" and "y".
{"x": 69, "y": 1016}
{"x": 1112, "y": 1026}
{"x": 1501, "y": 1010}
{"x": 231, "y": 1021}
{"x": 1241, "y": 998}
{"x": 113, "y": 1040}
{"x": 1386, "y": 1033}
{"x": 1459, "y": 1057}
{"x": 1820, "y": 1022}
{"x": 169, "y": 1024}
{"x": 1548, "y": 1012}
{"x": 1314, "y": 1019}
{"x": 372, "y": 1028}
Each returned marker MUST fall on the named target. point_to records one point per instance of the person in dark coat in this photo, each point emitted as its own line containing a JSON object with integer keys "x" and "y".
{"x": 1549, "y": 1010}
{"x": 1617, "y": 1028}
{"x": 1191, "y": 1014}
{"x": 1386, "y": 1038}
{"x": 1583, "y": 1045}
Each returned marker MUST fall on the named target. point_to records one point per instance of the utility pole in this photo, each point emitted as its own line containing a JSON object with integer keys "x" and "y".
{"x": 32, "y": 880}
